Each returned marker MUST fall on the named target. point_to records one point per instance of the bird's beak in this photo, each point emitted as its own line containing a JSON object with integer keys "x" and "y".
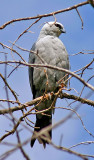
{"x": 63, "y": 30}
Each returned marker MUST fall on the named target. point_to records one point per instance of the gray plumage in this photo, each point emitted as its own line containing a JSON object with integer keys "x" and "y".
{"x": 52, "y": 51}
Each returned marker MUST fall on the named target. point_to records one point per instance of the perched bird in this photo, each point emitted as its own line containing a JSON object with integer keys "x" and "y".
{"x": 48, "y": 49}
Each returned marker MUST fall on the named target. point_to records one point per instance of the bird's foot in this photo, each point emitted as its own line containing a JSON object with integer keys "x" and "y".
{"x": 48, "y": 95}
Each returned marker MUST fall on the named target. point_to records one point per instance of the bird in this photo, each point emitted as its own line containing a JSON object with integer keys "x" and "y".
{"x": 50, "y": 50}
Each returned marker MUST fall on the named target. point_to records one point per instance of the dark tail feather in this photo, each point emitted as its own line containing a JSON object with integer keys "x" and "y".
{"x": 41, "y": 123}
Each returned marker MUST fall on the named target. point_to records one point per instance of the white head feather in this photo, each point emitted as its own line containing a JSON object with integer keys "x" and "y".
{"x": 53, "y": 29}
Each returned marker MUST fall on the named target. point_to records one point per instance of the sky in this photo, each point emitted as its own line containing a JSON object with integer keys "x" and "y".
{"x": 75, "y": 40}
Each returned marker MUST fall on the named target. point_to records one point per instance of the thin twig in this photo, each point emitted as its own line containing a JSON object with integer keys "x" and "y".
{"x": 9, "y": 87}
{"x": 25, "y": 31}
{"x": 3, "y": 45}
{"x": 80, "y": 17}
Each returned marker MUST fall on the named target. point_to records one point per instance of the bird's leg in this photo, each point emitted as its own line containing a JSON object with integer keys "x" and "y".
{"x": 48, "y": 95}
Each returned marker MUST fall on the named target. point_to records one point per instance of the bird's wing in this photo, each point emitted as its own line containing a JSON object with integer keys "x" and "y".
{"x": 30, "y": 69}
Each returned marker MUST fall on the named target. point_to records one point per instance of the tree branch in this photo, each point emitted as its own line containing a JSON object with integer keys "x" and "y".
{"x": 30, "y": 103}
{"x": 52, "y": 67}
{"x": 9, "y": 87}
{"x": 45, "y": 15}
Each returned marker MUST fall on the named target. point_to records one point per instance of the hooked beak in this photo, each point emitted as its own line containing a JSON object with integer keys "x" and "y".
{"x": 63, "y": 30}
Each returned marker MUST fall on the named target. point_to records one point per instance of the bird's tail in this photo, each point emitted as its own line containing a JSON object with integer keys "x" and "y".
{"x": 41, "y": 123}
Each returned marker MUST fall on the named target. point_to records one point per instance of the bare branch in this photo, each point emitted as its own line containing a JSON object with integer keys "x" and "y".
{"x": 30, "y": 103}
{"x": 84, "y": 143}
{"x": 3, "y": 45}
{"x": 9, "y": 87}
{"x": 52, "y": 67}
{"x": 80, "y": 17}
{"x": 20, "y": 147}
{"x": 26, "y": 30}
{"x": 45, "y": 15}
{"x": 84, "y": 157}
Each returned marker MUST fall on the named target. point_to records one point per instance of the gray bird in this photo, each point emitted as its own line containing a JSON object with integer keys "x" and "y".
{"x": 48, "y": 49}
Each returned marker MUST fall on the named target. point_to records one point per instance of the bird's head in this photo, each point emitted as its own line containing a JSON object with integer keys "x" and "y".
{"x": 53, "y": 28}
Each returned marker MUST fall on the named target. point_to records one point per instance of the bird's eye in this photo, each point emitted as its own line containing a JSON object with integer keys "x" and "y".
{"x": 58, "y": 25}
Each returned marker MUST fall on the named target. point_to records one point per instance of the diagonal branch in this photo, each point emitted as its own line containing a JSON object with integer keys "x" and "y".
{"x": 5, "y": 46}
{"x": 30, "y": 103}
{"x": 9, "y": 87}
{"x": 54, "y": 68}
{"x": 45, "y": 15}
